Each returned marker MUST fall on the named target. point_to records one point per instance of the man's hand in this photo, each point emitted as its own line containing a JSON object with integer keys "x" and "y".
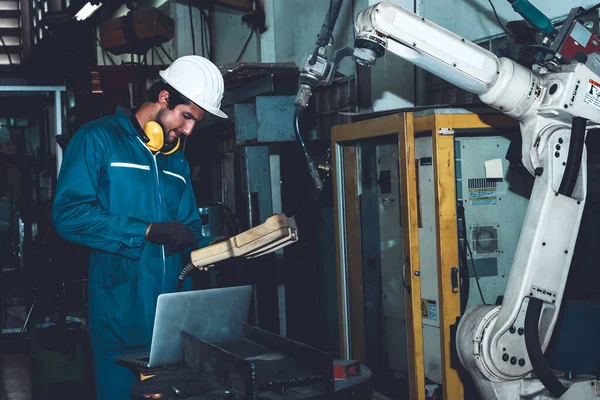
{"x": 175, "y": 235}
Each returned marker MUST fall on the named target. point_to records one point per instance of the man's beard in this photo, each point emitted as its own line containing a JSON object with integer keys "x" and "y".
{"x": 159, "y": 120}
{"x": 169, "y": 139}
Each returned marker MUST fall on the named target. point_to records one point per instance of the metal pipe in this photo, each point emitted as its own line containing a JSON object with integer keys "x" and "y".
{"x": 344, "y": 289}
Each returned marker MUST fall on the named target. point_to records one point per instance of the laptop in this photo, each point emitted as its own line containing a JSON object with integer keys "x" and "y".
{"x": 212, "y": 315}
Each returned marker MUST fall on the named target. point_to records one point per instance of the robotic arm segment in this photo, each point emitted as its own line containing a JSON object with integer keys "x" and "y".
{"x": 424, "y": 44}
{"x": 317, "y": 70}
{"x": 501, "y": 83}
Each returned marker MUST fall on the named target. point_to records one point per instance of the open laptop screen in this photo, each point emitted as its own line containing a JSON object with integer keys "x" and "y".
{"x": 212, "y": 315}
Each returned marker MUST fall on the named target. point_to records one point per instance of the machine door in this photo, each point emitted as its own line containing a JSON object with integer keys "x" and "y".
{"x": 378, "y": 259}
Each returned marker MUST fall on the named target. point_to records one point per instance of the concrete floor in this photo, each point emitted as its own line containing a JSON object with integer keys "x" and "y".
{"x": 15, "y": 370}
{"x": 15, "y": 377}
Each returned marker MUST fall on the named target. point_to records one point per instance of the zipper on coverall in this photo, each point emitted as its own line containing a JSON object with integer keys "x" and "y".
{"x": 162, "y": 247}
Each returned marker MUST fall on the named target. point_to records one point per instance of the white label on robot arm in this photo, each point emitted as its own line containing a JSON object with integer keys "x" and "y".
{"x": 592, "y": 94}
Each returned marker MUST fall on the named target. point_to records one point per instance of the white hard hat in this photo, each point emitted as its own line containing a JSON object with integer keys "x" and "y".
{"x": 199, "y": 80}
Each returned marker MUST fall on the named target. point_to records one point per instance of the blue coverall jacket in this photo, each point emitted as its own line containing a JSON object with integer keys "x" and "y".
{"x": 110, "y": 188}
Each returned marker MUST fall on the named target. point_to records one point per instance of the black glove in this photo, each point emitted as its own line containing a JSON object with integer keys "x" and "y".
{"x": 175, "y": 235}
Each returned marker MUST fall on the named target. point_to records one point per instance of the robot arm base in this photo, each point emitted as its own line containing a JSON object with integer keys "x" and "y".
{"x": 585, "y": 388}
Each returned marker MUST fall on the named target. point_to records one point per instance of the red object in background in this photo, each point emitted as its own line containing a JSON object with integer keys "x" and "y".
{"x": 579, "y": 40}
{"x": 343, "y": 369}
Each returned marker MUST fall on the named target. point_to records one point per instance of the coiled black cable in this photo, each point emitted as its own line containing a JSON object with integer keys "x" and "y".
{"x": 184, "y": 273}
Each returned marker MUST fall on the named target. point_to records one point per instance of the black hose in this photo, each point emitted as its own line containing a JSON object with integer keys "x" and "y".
{"x": 545, "y": 49}
{"x": 314, "y": 173}
{"x": 226, "y": 210}
{"x": 534, "y": 350}
{"x": 475, "y": 274}
{"x": 315, "y": 53}
{"x": 577, "y": 142}
{"x": 465, "y": 287}
{"x": 189, "y": 266}
{"x": 192, "y": 29}
{"x": 329, "y": 22}
{"x": 239, "y": 57}
{"x": 463, "y": 269}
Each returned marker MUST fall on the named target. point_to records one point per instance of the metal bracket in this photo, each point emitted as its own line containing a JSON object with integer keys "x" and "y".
{"x": 454, "y": 279}
{"x": 446, "y": 131}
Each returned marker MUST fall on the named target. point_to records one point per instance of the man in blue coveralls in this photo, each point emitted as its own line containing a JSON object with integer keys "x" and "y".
{"x": 124, "y": 190}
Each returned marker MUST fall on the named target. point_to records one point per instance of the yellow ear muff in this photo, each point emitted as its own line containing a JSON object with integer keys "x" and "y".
{"x": 156, "y": 137}
{"x": 173, "y": 150}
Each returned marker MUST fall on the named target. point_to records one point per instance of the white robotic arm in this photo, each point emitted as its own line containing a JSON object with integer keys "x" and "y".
{"x": 424, "y": 44}
{"x": 501, "y": 346}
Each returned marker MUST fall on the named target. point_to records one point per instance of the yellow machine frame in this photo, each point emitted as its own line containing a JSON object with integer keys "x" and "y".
{"x": 347, "y": 222}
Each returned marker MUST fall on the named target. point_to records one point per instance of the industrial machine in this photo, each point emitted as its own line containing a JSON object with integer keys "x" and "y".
{"x": 556, "y": 104}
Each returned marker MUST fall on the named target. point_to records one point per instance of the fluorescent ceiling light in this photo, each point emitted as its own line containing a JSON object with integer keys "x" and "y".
{"x": 87, "y": 11}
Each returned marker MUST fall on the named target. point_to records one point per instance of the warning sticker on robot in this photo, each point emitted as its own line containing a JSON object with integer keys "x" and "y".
{"x": 482, "y": 196}
{"x": 539, "y": 93}
{"x": 429, "y": 309}
{"x": 592, "y": 94}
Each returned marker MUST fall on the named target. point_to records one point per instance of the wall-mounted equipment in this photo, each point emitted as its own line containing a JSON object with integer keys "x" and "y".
{"x": 137, "y": 31}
